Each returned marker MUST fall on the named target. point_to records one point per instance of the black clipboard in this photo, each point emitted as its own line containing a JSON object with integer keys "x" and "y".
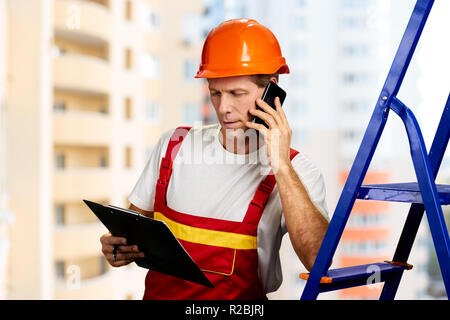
{"x": 163, "y": 252}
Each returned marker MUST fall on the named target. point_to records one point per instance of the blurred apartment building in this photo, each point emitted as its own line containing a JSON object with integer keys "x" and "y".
{"x": 86, "y": 89}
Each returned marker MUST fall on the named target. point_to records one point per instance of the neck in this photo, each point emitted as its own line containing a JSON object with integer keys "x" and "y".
{"x": 240, "y": 142}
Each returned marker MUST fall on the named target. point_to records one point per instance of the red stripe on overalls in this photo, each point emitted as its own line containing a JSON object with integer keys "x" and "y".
{"x": 233, "y": 272}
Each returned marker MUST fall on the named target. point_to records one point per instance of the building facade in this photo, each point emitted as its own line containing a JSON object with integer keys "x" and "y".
{"x": 88, "y": 86}
{"x": 91, "y": 87}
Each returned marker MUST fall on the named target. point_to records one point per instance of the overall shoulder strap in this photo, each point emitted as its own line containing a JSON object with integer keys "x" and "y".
{"x": 262, "y": 194}
{"x": 165, "y": 169}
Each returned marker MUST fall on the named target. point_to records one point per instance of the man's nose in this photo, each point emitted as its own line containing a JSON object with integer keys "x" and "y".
{"x": 225, "y": 104}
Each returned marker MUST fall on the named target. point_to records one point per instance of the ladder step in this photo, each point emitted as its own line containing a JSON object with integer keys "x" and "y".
{"x": 341, "y": 278}
{"x": 401, "y": 192}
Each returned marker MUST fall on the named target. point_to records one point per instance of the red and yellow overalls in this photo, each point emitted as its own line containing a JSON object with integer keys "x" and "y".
{"x": 226, "y": 251}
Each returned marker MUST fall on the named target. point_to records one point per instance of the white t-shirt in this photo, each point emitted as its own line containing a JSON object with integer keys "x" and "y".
{"x": 209, "y": 181}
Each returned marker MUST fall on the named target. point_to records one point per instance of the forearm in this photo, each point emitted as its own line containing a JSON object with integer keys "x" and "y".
{"x": 305, "y": 224}
{"x": 145, "y": 213}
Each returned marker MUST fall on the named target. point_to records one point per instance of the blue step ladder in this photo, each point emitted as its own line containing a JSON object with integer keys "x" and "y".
{"x": 423, "y": 195}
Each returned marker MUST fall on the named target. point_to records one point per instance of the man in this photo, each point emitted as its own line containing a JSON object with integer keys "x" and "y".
{"x": 209, "y": 185}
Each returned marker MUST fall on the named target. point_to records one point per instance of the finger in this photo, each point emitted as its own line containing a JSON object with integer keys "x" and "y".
{"x": 265, "y": 106}
{"x": 122, "y": 263}
{"x": 283, "y": 123}
{"x": 260, "y": 127}
{"x": 268, "y": 109}
{"x": 280, "y": 111}
{"x": 264, "y": 116}
{"x": 119, "y": 248}
{"x": 124, "y": 249}
{"x": 268, "y": 149}
{"x": 123, "y": 257}
{"x": 270, "y": 122}
{"x": 108, "y": 239}
{"x": 128, "y": 256}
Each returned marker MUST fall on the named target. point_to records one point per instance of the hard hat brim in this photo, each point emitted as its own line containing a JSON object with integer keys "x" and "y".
{"x": 205, "y": 72}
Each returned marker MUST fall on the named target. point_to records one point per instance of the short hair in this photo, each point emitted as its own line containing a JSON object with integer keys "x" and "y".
{"x": 262, "y": 80}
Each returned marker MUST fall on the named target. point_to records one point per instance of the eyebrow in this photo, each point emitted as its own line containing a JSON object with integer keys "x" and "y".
{"x": 230, "y": 90}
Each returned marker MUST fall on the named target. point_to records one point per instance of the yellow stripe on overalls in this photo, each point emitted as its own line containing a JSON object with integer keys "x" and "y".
{"x": 208, "y": 237}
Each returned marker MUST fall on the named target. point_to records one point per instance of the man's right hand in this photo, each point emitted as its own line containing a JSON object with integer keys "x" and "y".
{"x": 125, "y": 253}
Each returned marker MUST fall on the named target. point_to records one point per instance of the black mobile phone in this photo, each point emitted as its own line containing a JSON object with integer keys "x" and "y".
{"x": 272, "y": 90}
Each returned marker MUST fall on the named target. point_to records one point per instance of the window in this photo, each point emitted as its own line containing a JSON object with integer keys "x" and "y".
{"x": 349, "y": 134}
{"x": 128, "y": 107}
{"x": 235, "y": 8}
{"x": 299, "y": 136}
{"x": 57, "y": 51}
{"x": 298, "y": 50}
{"x": 128, "y": 59}
{"x": 299, "y": 107}
{"x": 191, "y": 114}
{"x": 190, "y": 69}
{"x": 351, "y": 106}
{"x": 150, "y": 66}
{"x": 356, "y": 78}
{"x": 353, "y": 22}
{"x": 103, "y": 109}
{"x": 299, "y": 78}
{"x": 150, "y": 18}
{"x": 367, "y": 220}
{"x": 300, "y": 3}
{"x": 129, "y": 10}
{"x": 103, "y": 265}
{"x": 128, "y": 157}
{"x": 355, "y": 4}
{"x": 59, "y": 215}
{"x": 60, "y": 270}
{"x": 191, "y": 29}
{"x": 59, "y": 106}
{"x": 364, "y": 247}
{"x": 298, "y": 22}
{"x": 60, "y": 161}
{"x": 355, "y": 50}
{"x": 153, "y": 112}
{"x": 103, "y": 163}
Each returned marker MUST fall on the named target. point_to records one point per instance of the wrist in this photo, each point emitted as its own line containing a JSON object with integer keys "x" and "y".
{"x": 283, "y": 169}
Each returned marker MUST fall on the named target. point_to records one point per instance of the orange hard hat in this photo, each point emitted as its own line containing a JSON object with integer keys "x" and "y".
{"x": 240, "y": 47}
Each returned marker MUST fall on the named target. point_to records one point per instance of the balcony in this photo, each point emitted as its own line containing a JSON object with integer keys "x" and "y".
{"x": 80, "y": 240}
{"x": 85, "y": 21}
{"x": 72, "y": 185}
{"x": 81, "y": 128}
{"x": 82, "y": 73}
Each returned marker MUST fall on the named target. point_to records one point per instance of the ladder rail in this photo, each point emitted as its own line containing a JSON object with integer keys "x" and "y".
{"x": 369, "y": 143}
{"x": 415, "y": 214}
{"x": 428, "y": 189}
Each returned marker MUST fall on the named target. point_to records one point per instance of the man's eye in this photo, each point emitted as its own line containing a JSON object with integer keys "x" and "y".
{"x": 238, "y": 94}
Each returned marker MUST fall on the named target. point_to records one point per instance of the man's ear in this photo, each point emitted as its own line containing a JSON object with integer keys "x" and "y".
{"x": 274, "y": 80}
